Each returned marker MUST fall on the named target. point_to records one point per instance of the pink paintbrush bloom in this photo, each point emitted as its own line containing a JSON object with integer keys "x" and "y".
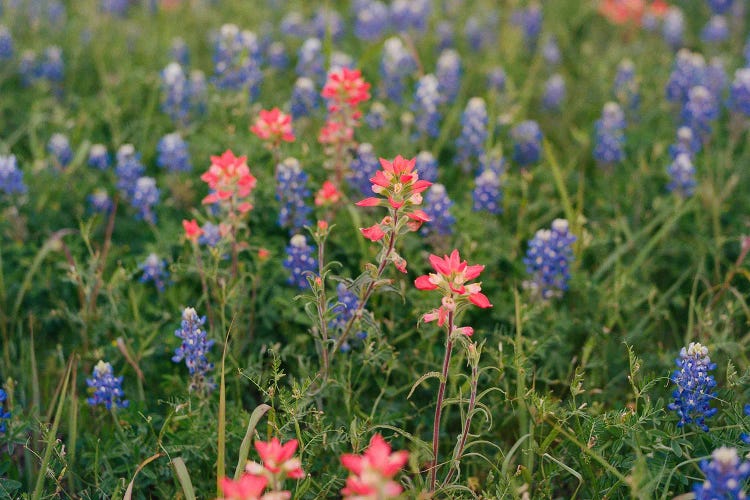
{"x": 372, "y": 472}
{"x": 273, "y": 126}
{"x": 328, "y": 194}
{"x": 192, "y": 230}
{"x": 345, "y": 87}
{"x": 228, "y": 177}
{"x": 278, "y": 460}
{"x": 249, "y": 487}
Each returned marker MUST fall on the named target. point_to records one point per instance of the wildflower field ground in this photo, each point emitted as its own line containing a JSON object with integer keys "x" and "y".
{"x": 374, "y": 249}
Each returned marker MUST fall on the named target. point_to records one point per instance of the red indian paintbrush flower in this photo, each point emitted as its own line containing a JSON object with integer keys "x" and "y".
{"x": 248, "y": 487}
{"x": 345, "y": 87}
{"x": 273, "y": 126}
{"x": 373, "y": 471}
{"x": 278, "y": 460}
{"x": 229, "y": 177}
{"x": 192, "y": 230}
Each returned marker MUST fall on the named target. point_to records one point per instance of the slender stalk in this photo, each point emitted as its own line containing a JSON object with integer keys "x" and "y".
{"x": 439, "y": 406}
{"x": 103, "y": 256}
{"x": 204, "y": 284}
{"x": 322, "y": 304}
{"x": 467, "y": 423}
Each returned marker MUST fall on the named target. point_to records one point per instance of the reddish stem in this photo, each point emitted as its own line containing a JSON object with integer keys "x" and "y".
{"x": 439, "y": 407}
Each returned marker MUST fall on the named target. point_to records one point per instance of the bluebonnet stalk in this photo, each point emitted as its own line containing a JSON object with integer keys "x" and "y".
{"x": 716, "y": 77}
{"x": 488, "y": 194}
{"x": 154, "y": 270}
{"x": 426, "y": 107}
{"x": 688, "y": 70}
{"x": 277, "y": 56}
{"x": 396, "y": 64}
{"x": 530, "y": 21}
{"x": 292, "y": 193}
{"x": 310, "y": 60}
{"x": 444, "y": 33}
{"x": 609, "y": 136}
{"x": 99, "y": 157}
{"x": 59, "y": 147}
{"x": 625, "y": 87}
{"x": 725, "y": 475}
{"x": 115, "y": 7}
{"x": 212, "y": 234}
{"x": 548, "y": 261}
{"x": 173, "y": 153}
{"x": 739, "y": 92}
{"x": 551, "y": 52}
{"x": 179, "y": 51}
{"x": 426, "y": 166}
{"x": 99, "y": 201}
{"x": 554, "y": 92}
{"x": 496, "y": 79}
{"x": 237, "y": 60}
{"x": 470, "y": 145}
{"x": 673, "y": 27}
{"x": 716, "y": 30}
{"x": 682, "y": 176}
{"x": 700, "y": 110}
{"x": 105, "y": 388}
{"x": 193, "y": 350}
{"x": 448, "y": 73}
{"x": 145, "y": 197}
{"x": 52, "y": 67}
{"x": 437, "y": 206}
{"x": 6, "y": 44}
{"x": 720, "y": 6}
{"x": 300, "y": 261}
{"x": 327, "y": 22}
{"x": 527, "y": 143}
{"x": 293, "y": 24}
{"x": 376, "y": 117}
{"x": 686, "y": 143}
{"x": 474, "y": 33}
{"x": 28, "y": 69}
{"x": 371, "y": 20}
{"x": 182, "y": 98}
{"x": 363, "y": 167}
{"x": 4, "y": 415}
{"x": 11, "y": 177}
{"x": 198, "y": 94}
{"x": 410, "y": 15}
{"x": 694, "y": 392}
{"x": 344, "y": 311}
{"x": 304, "y": 98}
{"x": 128, "y": 170}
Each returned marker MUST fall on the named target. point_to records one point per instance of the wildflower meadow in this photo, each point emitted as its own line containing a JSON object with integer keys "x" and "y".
{"x": 374, "y": 249}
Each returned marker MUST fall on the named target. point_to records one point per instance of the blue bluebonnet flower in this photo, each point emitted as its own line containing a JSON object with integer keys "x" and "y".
{"x": 625, "y": 87}
{"x": 426, "y": 107}
{"x": 410, "y": 15}
{"x": 682, "y": 176}
{"x": 237, "y": 60}
{"x": 311, "y": 61}
{"x": 475, "y": 33}
{"x": 6, "y": 44}
{"x": 304, "y": 98}
{"x": 448, "y": 73}
{"x": 716, "y": 30}
{"x": 99, "y": 157}
{"x": 363, "y": 166}
{"x": 496, "y": 79}
{"x": 548, "y": 261}
{"x": 554, "y": 92}
{"x": 725, "y": 475}
{"x": 179, "y": 51}
{"x": 154, "y": 270}
{"x": 444, "y": 34}
{"x": 694, "y": 392}
{"x": 396, "y": 65}
{"x": 371, "y": 20}
{"x": 551, "y": 52}
{"x": 426, "y": 166}
{"x": 194, "y": 349}
{"x": 530, "y": 21}
{"x": 293, "y": 24}
{"x": 376, "y": 117}
{"x": 11, "y": 177}
{"x": 182, "y": 98}
{"x": 716, "y": 78}
{"x": 744, "y": 436}
{"x": 198, "y": 94}
{"x": 28, "y": 68}
{"x": 99, "y": 201}
{"x": 609, "y": 135}
{"x": 292, "y": 193}
{"x": 688, "y": 70}
{"x": 720, "y": 6}
{"x": 344, "y": 311}
{"x": 115, "y": 7}
{"x": 145, "y": 197}
{"x": 673, "y": 27}
{"x": 527, "y": 143}
{"x": 300, "y": 261}
{"x": 277, "y": 56}
{"x": 700, "y": 110}
{"x": 128, "y": 170}
{"x": 739, "y": 92}
{"x": 437, "y": 206}
{"x": 470, "y": 145}
{"x": 211, "y": 234}
{"x": 105, "y": 388}
{"x": 687, "y": 143}
{"x": 173, "y": 153}
{"x": 59, "y": 147}
{"x": 488, "y": 194}
{"x": 52, "y": 67}
{"x": 4, "y": 415}
{"x": 327, "y": 22}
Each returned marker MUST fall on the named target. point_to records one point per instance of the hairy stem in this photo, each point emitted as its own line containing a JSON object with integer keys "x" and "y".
{"x": 467, "y": 424}
{"x": 439, "y": 406}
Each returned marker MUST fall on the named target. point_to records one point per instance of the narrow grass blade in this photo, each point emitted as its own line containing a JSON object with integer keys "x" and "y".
{"x": 183, "y": 476}
{"x": 129, "y": 491}
{"x": 245, "y": 445}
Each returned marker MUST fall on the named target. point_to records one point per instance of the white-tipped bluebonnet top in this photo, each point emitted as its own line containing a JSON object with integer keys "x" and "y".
{"x": 548, "y": 260}
{"x": 716, "y": 79}
{"x": 409, "y": 15}
{"x": 105, "y": 388}
{"x": 551, "y": 52}
{"x": 363, "y": 166}
{"x": 673, "y": 27}
{"x": 426, "y": 107}
{"x": 173, "y": 153}
{"x": 426, "y": 166}
{"x": 311, "y": 61}
{"x": 700, "y": 110}
{"x": 305, "y": 97}
{"x": 277, "y": 55}
{"x": 194, "y": 350}
{"x": 145, "y": 197}
{"x": 6, "y": 44}
{"x": 688, "y": 70}
{"x": 739, "y": 92}
{"x": 371, "y": 20}
{"x": 99, "y": 157}
{"x": 554, "y": 92}
{"x": 716, "y": 30}
{"x": 726, "y": 476}
{"x": 437, "y": 206}
{"x": 11, "y": 177}
{"x": 444, "y": 32}
{"x": 682, "y": 176}
{"x": 376, "y": 117}
{"x": 720, "y": 6}
{"x": 99, "y": 201}
{"x": 59, "y": 147}
{"x": 496, "y": 79}
{"x": 470, "y": 144}
{"x": 396, "y": 64}
{"x": 694, "y": 392}
{"x": 448, "y": 73}
{"x": 686, "y": 143}
{"x": 487, "y": 195}
{"x": 300, "y": 261}
{"x": 527, "y": 143}
{"x": 293, "y": 195}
